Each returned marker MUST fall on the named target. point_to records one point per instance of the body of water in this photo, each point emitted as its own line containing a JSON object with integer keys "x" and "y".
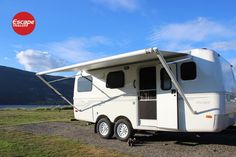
{"x": 30, "y": 106}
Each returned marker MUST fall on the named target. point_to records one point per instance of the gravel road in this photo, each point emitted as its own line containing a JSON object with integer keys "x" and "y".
{"x": 164, "y": 144}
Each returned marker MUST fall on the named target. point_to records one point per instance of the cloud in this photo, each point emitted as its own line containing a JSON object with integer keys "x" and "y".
{"x": 128, "y": 5}
{"x": 61, "y": 53}
{"x": 6, "y": 58}
{"x": 76, "y": 50}
{"x": 200, "y": 31}
{"x": 225, "y": 45}
{"x": 36, "y": 60}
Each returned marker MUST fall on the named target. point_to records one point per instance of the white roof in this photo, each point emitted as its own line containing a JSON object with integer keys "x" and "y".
{"x": 121, "y": 59}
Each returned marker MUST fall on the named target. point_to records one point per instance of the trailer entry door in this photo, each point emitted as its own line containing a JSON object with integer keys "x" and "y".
{"x": 147, "y": 96}
{"x": 167, "y": 106}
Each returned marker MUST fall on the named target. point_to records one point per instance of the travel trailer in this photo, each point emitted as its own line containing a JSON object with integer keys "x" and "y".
{"x": 153, "y": 90}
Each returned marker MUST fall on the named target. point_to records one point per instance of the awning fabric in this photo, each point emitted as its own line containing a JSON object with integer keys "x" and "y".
{"x": 121, "y": 59}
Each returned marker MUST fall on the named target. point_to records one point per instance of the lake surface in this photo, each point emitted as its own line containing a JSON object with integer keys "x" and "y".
{"x": 30, "y": 106}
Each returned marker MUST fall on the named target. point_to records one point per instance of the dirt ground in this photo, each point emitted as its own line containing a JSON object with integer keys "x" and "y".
{"x": 162, "y": 144}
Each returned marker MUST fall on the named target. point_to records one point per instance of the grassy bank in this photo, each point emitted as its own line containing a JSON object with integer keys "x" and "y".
{"x": 16, "y": 143}
{"x": 16, "y": 117}
{"x": 24, "y": 144}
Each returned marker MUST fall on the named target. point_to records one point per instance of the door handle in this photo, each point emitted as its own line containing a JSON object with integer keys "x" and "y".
{"x": 139, "y": 97}
{"x": 173, "y": 91}
{"x": 134, "y": 82}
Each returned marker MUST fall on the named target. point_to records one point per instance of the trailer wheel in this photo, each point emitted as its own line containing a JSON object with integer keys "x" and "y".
{"x": 105, "y": 128}
{"x": 123, "y": 130}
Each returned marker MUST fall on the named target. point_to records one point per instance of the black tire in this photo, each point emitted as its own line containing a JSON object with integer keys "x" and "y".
{"x": 128, "y": 127}
{"x": 109, "y": 133}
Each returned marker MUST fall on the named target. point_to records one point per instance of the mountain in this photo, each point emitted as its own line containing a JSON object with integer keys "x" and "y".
{"x": 21, "y": 87}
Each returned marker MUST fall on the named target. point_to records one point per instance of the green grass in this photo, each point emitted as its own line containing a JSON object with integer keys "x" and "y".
{"x": 24, "y": 144}
{"x": 16, "y": 117}
{"x": 16, "y": 143}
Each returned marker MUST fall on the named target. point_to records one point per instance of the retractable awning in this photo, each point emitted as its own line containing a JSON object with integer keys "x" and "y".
{"x": 122, "y": 59}
{"x": 125, "y": 59}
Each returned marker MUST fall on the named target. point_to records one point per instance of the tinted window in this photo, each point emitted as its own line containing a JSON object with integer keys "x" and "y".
{"x": 147, "y": 78}
{"x": 188, "y": 71}
{"x": 85, "y": 84}
{"x": 165, "y": 80}
{"x": 115, "y": 79}
{"x": 147, "y": 84}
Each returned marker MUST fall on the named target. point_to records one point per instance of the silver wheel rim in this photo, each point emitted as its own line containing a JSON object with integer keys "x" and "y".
{"x": 103, "y": 128}
{"x": 122, "y": 130}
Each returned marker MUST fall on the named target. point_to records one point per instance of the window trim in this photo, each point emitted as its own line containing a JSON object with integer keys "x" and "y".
{"x": 162, "y": 80}
{"x": 123, "y": 81}
{"x": 195, "y": 71}
{"x": 90, "y": 80}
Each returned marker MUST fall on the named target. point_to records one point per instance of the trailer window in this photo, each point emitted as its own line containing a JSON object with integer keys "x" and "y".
{"x": 188, "y": 71}
{"x": 165, "y": 80}
{"x": 115, "y": 79}
{"x": 85, "y": 84}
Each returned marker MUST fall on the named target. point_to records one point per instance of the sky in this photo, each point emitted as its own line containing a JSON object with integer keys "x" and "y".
{"x": 69, "y": 32}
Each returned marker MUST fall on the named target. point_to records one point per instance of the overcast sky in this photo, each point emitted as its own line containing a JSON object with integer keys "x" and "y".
{"x": 72, "y": 31}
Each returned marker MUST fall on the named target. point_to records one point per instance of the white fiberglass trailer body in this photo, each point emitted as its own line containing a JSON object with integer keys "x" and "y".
{"x": 154, "y": 90}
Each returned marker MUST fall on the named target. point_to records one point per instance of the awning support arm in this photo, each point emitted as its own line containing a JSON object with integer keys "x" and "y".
{"x": 61, "y": 79}
{"x": 48, "y": 83}
{"x": 55, "y": 90}
{"x": 173, "y": 79}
